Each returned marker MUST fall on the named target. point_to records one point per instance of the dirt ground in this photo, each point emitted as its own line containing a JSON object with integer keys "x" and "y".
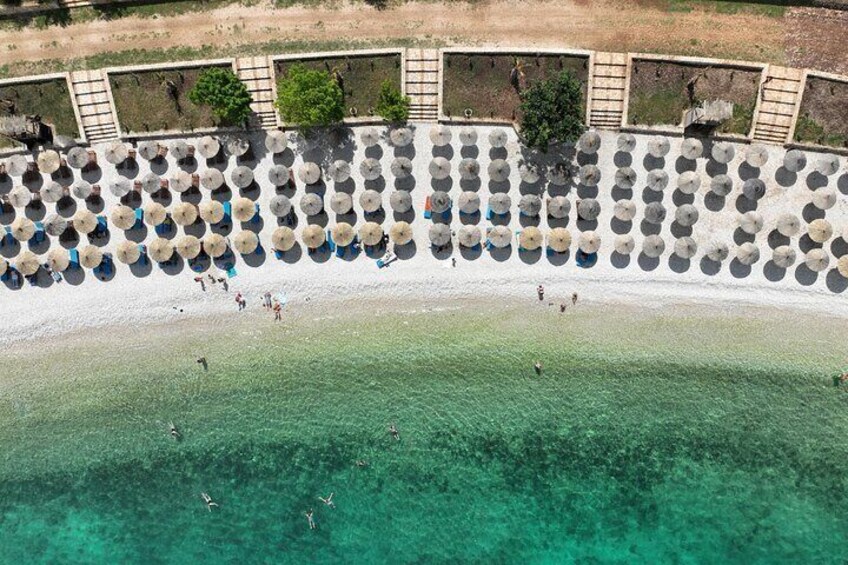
{"x": 817, "y": 39}
{"x": 822, "y": 115}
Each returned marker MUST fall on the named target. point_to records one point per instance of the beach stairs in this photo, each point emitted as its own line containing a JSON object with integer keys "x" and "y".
{"x": 90, "y": 96}
{"x": 609, "y": 85}
{"x": 255, "y": 72}
{"x": 421, "y": 84}
{"x": 780, "y": 96}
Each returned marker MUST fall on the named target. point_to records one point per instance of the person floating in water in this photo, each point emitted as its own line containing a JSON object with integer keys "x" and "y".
{"x": 208, "y": 500}
{"x": 328, "y": 501}
{"x": 309, "y": 519}
{"x": 175, "y": 433}
{"x": 202, "y": 362}
{"x": 394, "y": 431}
{"x": 361, "y": 463}
{"x": 538, "y": 367}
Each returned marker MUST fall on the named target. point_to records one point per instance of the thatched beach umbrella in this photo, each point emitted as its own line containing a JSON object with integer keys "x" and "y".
{"x": 184, "y": 214}
{"x": 756, "y": 155}
{"x": 309, "y": 173}
{"x": 369, "y": 137}
{"x": 468, "y": 136}
{"x": 338, "y": 171}
{"x": 788, "y": 225}
{"x": 754, "y": 189}
{"x": 245, "y": 242}
{"x": 655, "y": 213}
{"x": 440, "y": 202}
{"x": 440, "y": 135}
{"x": 154, "y": 213}
{"x": 723, "y": 152}
{"x": 123, "y": 217}
{"x": 588, "y": 209}
{"x": 559, "y": 239}
{"x": 208, "y": 146}
{"x": 500, "y": 236}
{"x": 276, "y": 141}
{"x": 238, "y": 145}
{"x": 370, "y": 169}
{"x": 783, "y": 256}
{"x": 58, "y": 259}
{"x": 55, "y": 225}
{"x": 283, "y": 238}
{"x": 19, "y": 197}
{"x": 150, "y": 183}
{"x": 751, "y": 222}
{"x": 558, "y": 207}
{"x": 747, "y": 253}
{"x": 686, "y": 215}
{"x": 691, "y": 148}
{"x": 77, "y": 157}
{"x": 400, "y": 137}
{"x": 27, "y": 263}
{"x": 52, "y": 192}
{"x": 440, "y": 234}
{"x": 824, "y": 198}
{"x": 626, "y": 142}
{"x": 469, "y": 236}
{"x": 625, "y": 177}
{"x": 825, "y": 165}
{"x": 343, "y": 234}
{"x": 401, "y": 233}
{"x": 721, "y": 185}
{"x": 371, "y": 201}
{"x": 624, "y": 244}
{"x": 529, "y": 173}
{"x": 313, "y": 236}
{"x": 685, "y": 247}
{"x": 469, "y": 169}
{"x": 16, "y": 165}
{"x": 120, "y": 187}
{"x": 842, "y": 266}
{"x": 497, "y": 138}
{"x": 179, "y": 149}
{"x": 278, "y": 175}
{"x": 211, "y": 179}
{"x": 311, "y": 204}
{"x": 820, "y": 230}
{"x": 160, "y": 250}
{"x": 84, "y": 221}
{"x": 180, "y": 182}
{"x": 530, "y": 238}
{"x": 794, "y": 160}
{"x": 657, "y": 180}
{"x": 215, "y": 245}
{"x": 211, "y": 211}
{"x": 560, "y": 174}
{"x": 500, "y": 203}
{"x": 658, "y": 147}
{"x": 116, "y": 152}
{"x": 244, "y": 209}
{"x": 653, "y": 246}
{"x": 341, "y": 203}
{"x": 498, "y": 170}
{"x": 624, "y": 210}
{"x": 48, "y": 161}
{"x": 127, "y": 252}
{"x": 401, "y": 167}
{"x": 439, "y": 168}
{"x": 469, "y": 202}
{"x": 242, "y": 176}
{"x": 90, "y": 257}
{"x": 717, "y": 251}
{"x": 400, "y": 201}
{"x": 589, "y": 242}
{"x": 148, "y": 150}
{"x": 371, "y": 233}
{"x": 530, "y": 205}
{"x": 589, "y": 142}
{"x": 81, "y": 189}
{"x": 688, "y": 182}
{"x": 22, "y": 229}
{"x": 188, "y": 246}
{"x": 590, "y": 175}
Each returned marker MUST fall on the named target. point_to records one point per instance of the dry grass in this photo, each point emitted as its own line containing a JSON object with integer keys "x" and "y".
{"x": 50, "y": 99}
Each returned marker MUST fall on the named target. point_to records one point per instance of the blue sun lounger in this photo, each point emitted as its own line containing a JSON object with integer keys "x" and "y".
{"x": 586, "y": 260}
{"x": 163, "y": 228}
{"x": 102, "y": 226}
{"x": 139, "y": 219}
{"x": 142, "y": 258}
{"x": 39, "y": 235}
{"x": 74, "y": 258}
{"x": 231, "y": 272}
{"x": 106, "y": 267}
{"x": 8, "y": 238}
{"x": 330, "y": 243}
{"x": 13, "y": 277}
{"x": 195, "y": 265}
{"x": 256, "y": 217}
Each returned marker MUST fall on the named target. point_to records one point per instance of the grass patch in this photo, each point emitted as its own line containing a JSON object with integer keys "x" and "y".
{"x": 768, "y": 9}
{"x": 481, "y": 82}
{"x": 362, "y": 75}
{"x": 821, "y": 120}
{"x": 49, "y": 99}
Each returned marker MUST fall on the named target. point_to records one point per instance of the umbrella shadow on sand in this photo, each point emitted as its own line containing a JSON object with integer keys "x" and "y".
{"x": 836, "y": 282}
{"x": 405, "y": 252}
{"x": 619, "y": 261}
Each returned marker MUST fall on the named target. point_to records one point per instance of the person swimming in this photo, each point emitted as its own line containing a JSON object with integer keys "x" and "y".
{"x": 538, "y": 367}
{"x": 309, "y": 519}
{"x": 208, "y": 500}
{"x": 361, "y": 463}
{"x": 394, "y": 431}
{"x": 175, "y": 433}
{"x": 328, "y": 501}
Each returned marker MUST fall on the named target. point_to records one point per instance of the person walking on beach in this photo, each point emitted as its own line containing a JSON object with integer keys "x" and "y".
{"x": 278, "y": 312}
{"x": 309, "y": 519}
{"x": 328, "y": 501}
{"x": 574, "y": 298}
{"x": 562, "y": 308}
{"x": 202, "y": 283}
{"x": 225, "y": 284}
{"x": 267, "y": 303}
{"x": 242, "y": 303}
{"x": 208, "y": 500}
{"x": 540, "y": 290}
{"x": 394, "y": 431}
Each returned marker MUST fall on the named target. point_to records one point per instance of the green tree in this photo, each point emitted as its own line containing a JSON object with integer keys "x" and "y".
{"x": 309, "y": 98}
{"x": 552, "y": 111}
{"x": 391, "y": 104}
{"x": 222, "y": 90}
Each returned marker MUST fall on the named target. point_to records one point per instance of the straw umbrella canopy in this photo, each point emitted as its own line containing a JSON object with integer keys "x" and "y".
{"x": 794, "y": 160}
{"x": 497, "y": 138}
{"x": 238, "y": 145}
{"x": 440, "y": 202}
{"x": 754, "y": 189}
{"x": 52, "y": 192}
{"x": 820, "y": 230}
{"x": 211, "y": 211}
{"x": 127, "y": 252}
{"x": 244, "y": 209}
{"x": 788, "y": 225}
{"x": 440, "y": 234}
{"x": 500, "y": 203}
{"x": 686, "y": 215}
{"x": 588, "y": 209}
{"x": 154, "y": 213}
{"x": 401, "y": 167}
{"x": 747, "y": 253}
{"x": 590, "y": 175}
{"x": 498, "y": 170}
{"x": 245, "y": 242}
{"x": 817, "y": 260}
{"x": 148, "y": 150}
{"x": 400, "y": 201}
{"x": 589, "y": 242}
{"x": 717, "y": 252}
{"x": 184, "y": 214}
{"x": 825, "y": 165}
{"x": 439, "y": 168}
{"x": 723, "y": 152}
{"x": 84, "y": 221}
{"x": 81, "y": 189}
{"x": 653, "y": 246}
{"x": 842, "y": 266}
{"x": 19, "y": 197}
{"x": 658, "y": 147}
{"x": 440, "y": 135}
{"x": 559, "y": 239}
{"x": 160, "y": 250}
{"x": 589, "y": 142}
{"x": 242, "y": 176}
{"x": 48, "y": 161}
{"x": 343, "y": 234}
{"x": 90, "y": 257}
{"x": 468, "y": 136}
{"x": 469, "y": 169}
{"x": 27, "y": 263}
{"x": 215, "y": 245}
{"x": 401, "y": 233}
{"x": 123, "y": 217}
{"x": 120, "y": 187}
{"x": 180, "y": 182}
{"x": 558, "y": 207}
{"x": 625, "y": 177}
{"x": 530, "y": 205}
{"x": 824, "y": 198}
{"x": 16, "y": 165}
{"x": 309, "y": 173}
{"x": 77, "y": 157}
{"x": 338, "y": 171}
{"x": 721, "y": 185}
{"x": 756, "y": 155}
{"x": 116, "y": 152}
{"x": 208, "y": 146}
{"x": 370, "y": 169}
{"x": 783, "y": 256}
{"x": 400, "y": 137}
{"x": 369, "y": 137}
{"x": 751, "y": 222}
{"x": 689, "y": 182}
{"x": 655, "y": 213}
{"x": 500, "y": 236}
{"x": 150, "y": 183}
{"x": 624, "y": 244}
{"x": 469, "y": 202}
{"x": 624, "y": 210}
{"x": 278, "y": 175}
{"x": 371, "y": 201}
{"x": 283, "y": 238}
{"x": 179, "y": 149}
{"x": 371, "y": 233}
{"x": 275, "y": 141}
{"x": 58, "y": 259}
{"x": 23, "y": 229}
{"x": 691, "y": 148}
{"x": 311, "y": 204}
{"x": 685, "y": 247}
{"x": 657, "y": 180}
{"x": 626, "y": 142}
{"x": 341, "y": 203}
{"x": 529, "y": 173}
{"x": 469, "y": 236}
{"x": 211, "y": 179}
{"x": 530, "y": 238}
{"x": 55, "y": 225}
{"x": 560, "y": 174}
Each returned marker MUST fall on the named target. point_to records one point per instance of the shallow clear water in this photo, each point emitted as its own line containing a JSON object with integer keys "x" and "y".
{"x": 623, "y": 451}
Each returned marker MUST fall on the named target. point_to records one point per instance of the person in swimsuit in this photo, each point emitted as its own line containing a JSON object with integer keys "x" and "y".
{"x": 328, "y": 501}
{"x": 208, "y": 500}
{"x": 538, "y": 367}
{"x": 175, "y": 432}
{"x": 309, "y": 519}
{"x": 361, "y": 463}
{"x": 394, "y": 431}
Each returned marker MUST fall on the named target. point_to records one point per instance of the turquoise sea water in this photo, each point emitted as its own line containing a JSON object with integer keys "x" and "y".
{"x": 667, "y": 447}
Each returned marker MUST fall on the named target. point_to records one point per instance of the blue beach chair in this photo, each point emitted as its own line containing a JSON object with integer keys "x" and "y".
{"x": 106, "y": 267}
{"x": 139, "y": 219}
{"x": 39, "y": 235}
{"x": 142, "y": 258}
{"x": 330, "y": 243}
{"x": 8, "y": 238}
{"x": 586, "y": 260}
{"x": 256, "y": 217}
{"x": 74, "y": 259}
{"x": 489, "y": 213}
{"x": 163, "y": 228}
{"x": 102, "y": 226}
{"x": 278, "y": 254}
{"x": 231, "y": 272}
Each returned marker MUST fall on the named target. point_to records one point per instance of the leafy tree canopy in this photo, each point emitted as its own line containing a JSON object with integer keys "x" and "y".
{"x": 221, "y": 89}
{"x": 552, "y": 111}
{"x": 391, "y": 104}
{"x": 309, "y": 97}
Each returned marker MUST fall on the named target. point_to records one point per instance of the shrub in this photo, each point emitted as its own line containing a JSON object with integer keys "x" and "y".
{"x": 391, "y": 104}
{"x": 552, "y": 111}
{"x": 222, "y": 90}
{"x": 309, "y": 97}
